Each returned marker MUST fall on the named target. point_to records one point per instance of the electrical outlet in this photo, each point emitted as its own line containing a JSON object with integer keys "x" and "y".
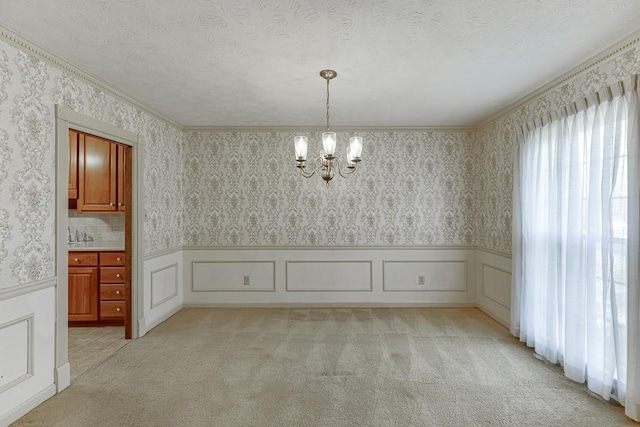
{"x": 247, "y": 281}
{"x": 421, "y": 280}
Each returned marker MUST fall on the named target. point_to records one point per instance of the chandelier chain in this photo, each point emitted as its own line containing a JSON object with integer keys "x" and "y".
{"x": 327, "y": 105}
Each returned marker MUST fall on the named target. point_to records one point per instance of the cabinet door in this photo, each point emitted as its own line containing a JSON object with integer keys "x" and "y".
{"x": 73, "y": 164}
{"x": 122, "y": 174}
{"x": 83, "y": 293}
{"x": 97, "y": 159}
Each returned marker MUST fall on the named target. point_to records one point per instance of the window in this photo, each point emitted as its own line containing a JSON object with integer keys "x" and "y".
{"x": 572, "y": 224}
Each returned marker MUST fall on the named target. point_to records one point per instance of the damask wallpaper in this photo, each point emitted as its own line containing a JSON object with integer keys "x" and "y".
{"x": 226, "y": 188}
{"x": 412, "y": 188}
{"x": 29, "y": 89}
{"x": 496, "y": 141}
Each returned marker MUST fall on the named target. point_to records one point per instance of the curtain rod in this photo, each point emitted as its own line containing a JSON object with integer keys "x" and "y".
{"x": 606, "y": 94}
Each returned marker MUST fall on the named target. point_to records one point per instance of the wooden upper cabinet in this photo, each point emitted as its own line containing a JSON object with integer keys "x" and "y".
{"x": 123, "y": 152}
{"x": 73, "y": 163}
{"x": 97, "y": 174}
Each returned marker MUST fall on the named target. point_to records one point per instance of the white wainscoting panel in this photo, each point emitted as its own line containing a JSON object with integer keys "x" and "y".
{"x": 324, "y": 276}
{"x": 164, "y": 284}
{"x": 331, "y": 276}
{"x": 436, "y": 275}
{"x": 162, "y": 290}
{"x": 16, "y": 357}
{"x": 236, "y": 276}
{"x": 496, "y": 284}
{"x": 493, "y": 271}
{"x": 27, "y": 351}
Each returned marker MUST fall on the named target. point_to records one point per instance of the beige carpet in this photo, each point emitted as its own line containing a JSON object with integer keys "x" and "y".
{"x": 325, "y": 367}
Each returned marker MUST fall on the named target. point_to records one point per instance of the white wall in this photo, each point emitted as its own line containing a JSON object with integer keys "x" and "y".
{"x": 493, "y": 175}
{"x": 460, "y": 195}
{"x": 27, "y": 347}
{"x": 493, "y": 278}
{"x": 162, "y": 290}
{"x": 329, "y": 276}
{"x": 31, "y": 84}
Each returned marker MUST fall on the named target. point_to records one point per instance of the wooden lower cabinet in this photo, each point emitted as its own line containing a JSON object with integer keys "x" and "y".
{"x": 111, "y": 310}
{"x": 96, "y": 288}
{"x": 83, "y": 294}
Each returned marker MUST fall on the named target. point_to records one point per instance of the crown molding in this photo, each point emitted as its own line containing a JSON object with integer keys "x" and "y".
{"x": 310, "y": 129}
{"x": 16, "y": 40}
{"x": 613, "y": 50}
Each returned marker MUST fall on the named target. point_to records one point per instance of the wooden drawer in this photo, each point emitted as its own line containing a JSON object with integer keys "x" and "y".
{"x": 111, "y": 292}
{"x": 111, "y": 274}
{"x": 111, "y": 310}
{"x": 77, "y": 259}
{"x": 112, "y": 258}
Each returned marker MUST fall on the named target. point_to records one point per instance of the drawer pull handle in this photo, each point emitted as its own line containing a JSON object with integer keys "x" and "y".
{"x": 111, "y": 204}
{"x": 118, "y": 259}
{"x": 118, "y": 275}
{"x": 76, "y": 260}
{"x": 118, "y": 309}
{"x": 117, "y": 292}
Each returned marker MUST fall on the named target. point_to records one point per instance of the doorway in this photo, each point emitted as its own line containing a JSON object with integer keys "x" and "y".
{"x": 129, "y": 144}
{"x": 99, "y": 256}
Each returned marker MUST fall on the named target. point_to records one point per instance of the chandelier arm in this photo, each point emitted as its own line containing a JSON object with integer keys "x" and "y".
{"x": 308, "y": 174}
{"x": 345, "y": 173}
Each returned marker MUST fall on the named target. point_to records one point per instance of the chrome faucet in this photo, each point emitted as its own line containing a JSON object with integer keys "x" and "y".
{"x": 77, "y": 236}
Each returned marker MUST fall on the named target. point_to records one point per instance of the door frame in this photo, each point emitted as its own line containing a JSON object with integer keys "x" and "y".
{"x": 65, "y": 119}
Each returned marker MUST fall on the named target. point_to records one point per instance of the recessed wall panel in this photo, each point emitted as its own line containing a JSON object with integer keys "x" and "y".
{"x": 16, "y": 356}
{"x": 235, "y": 276}
{"x": 334, "y": 276}
{"x": 496, "y": 285}
{"x": 164, "y": 284}
{"x": 425, "y": 275}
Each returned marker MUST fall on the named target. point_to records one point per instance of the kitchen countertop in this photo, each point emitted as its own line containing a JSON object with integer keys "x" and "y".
{"x": 97, "y": 245}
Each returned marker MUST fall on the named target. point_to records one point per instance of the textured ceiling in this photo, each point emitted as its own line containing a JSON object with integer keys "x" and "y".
{"x": 256, "y": 62}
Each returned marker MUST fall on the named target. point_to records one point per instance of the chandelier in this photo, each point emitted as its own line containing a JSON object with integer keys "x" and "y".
{"x": 328, "y": 162}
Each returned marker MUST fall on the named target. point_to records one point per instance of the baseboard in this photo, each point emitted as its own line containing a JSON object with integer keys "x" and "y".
{"x": 25, "y": 407}
{"x": 63, "y": 377}
{"x": 503, "y": 322}
{"x": 144, "y": 327}
{"x": 333, "y": 305}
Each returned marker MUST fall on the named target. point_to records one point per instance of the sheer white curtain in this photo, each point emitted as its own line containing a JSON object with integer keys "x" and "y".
{"x": 575, "y": 245}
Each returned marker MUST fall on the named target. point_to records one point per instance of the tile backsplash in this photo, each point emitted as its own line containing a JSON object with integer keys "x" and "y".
{"x": 101, "y": 227}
